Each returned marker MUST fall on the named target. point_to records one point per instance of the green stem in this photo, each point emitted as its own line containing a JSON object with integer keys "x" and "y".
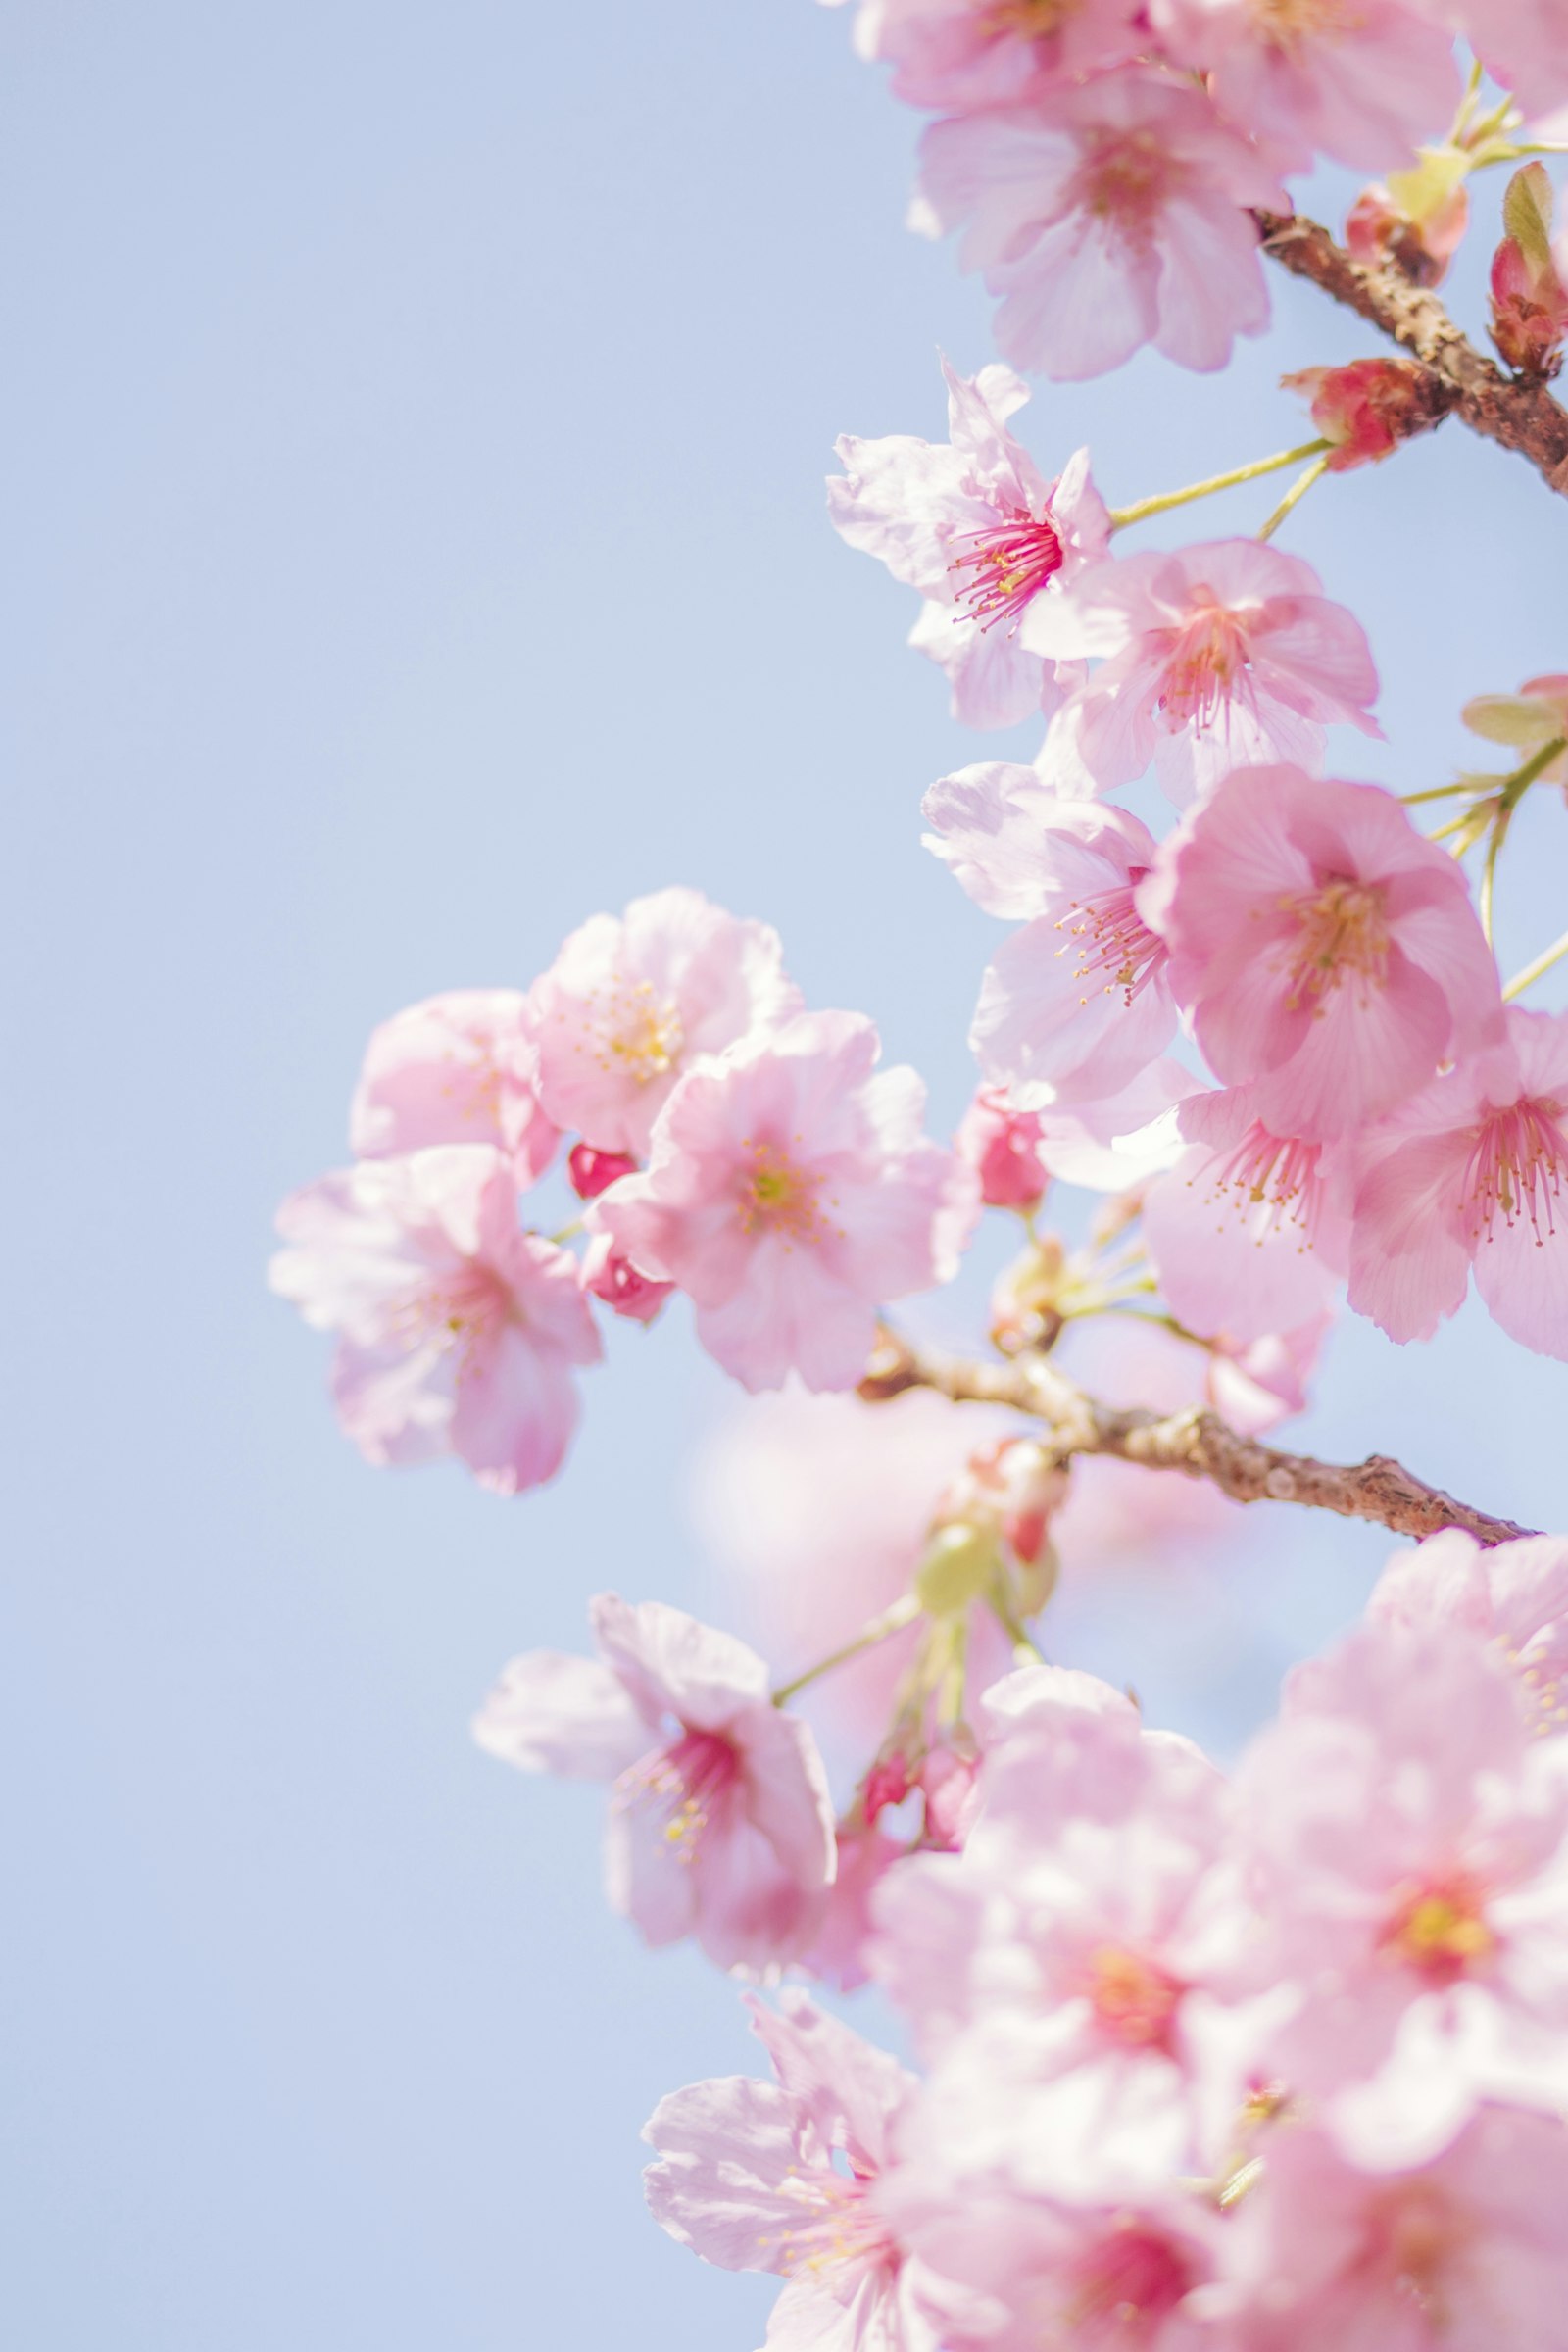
{"x": 1024, "y": 1651}
{"x": 1532, "y": 971}
{"x": 1295, "y": 493}
{"x": 1121, "y": 517}
{"x": 904, "y": 1612}
{"x": 1519, "y": 783}
{"x": 1437, "y": 792}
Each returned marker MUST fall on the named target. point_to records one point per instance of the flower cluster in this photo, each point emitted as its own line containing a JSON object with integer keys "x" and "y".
{"x": 732, "y": 1145}
{"x": 1264, "y": 2061}
{"x": 1260, "y": 2061}
{"x": 1104, "y": 159}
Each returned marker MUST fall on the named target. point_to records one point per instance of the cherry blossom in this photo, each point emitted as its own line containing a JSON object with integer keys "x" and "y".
{"x": 1258, "y": 1384}
{"x": 630, "y": 1002}
{"x": 1408, "y": 1842}
{"x": 720, "y": 1825}
{"x": 787, "y": 2177}
{"x": 953, "y": 54}
{"x": 789, "y": 1191}
{"x": 1327, "y": 952}
{"x": 459, "y": 1332}
{"x": 458, "y": 1069}
{"x": 1514, "y": 1599}
{"x": 1363, "y": 83}
{"x": 1528, "y": 721}
{"x": 1213, "y": 658}
{"x": 1077, "y": 1003}
{"x": 1469, "y": 1174}
{"x": 1520, "y": 42}
{"x": 973, "y": 524}
{"x": 1001, "y": 1144}
{"x": 1107, "y": 215}
{"x": 1463, "y": 2254}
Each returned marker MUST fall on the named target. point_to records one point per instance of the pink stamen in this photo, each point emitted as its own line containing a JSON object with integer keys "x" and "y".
{"x": 1133, "y": 2279}
{"x": 1516, "y": 1169}
{"x": 1115, "y": 947}
{"x": 1207, "y": 667}
{"x": 1010, "y": 563}
{"x": 683, "y": 1786}
{"x": 1278, "y": 1173}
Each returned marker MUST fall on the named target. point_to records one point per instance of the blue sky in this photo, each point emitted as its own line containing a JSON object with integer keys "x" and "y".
{"x": 419, "y": 419}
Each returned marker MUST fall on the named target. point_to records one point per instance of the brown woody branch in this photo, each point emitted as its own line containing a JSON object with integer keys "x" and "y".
{"x": 1198, "y": 1443}
{"x": 1516, "y": 411}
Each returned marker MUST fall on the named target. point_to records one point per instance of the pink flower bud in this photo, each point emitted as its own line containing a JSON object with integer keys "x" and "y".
{"x": 624, "y": 1287}
{"x": 887, "y": 1783}
{"x": 1368, "y": 408}
{"x": 593, "y": 1172}
{"x": 1528, "y": 299}
{"x": 948, "y": 1783}
{"x": 1002, "y": 1145}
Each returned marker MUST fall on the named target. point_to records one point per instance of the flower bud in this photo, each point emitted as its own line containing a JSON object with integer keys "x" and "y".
{"x": 593, "y": 1172}
{"x": 1002, "y": 1145}
{"x": 1368, "y": 408}
{"x": 960, "y": 1564}
{"x": 1528, "y": 298}
{"x": 622, "y": 1287}
{"x": 1417, "y": 221}
{"x": 1024, "y": 1303}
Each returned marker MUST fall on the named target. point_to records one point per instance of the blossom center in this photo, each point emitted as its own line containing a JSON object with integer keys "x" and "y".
{"x": 1124, "y": 179}
{"x": 1025, "y": 20}
{"x": 1277, "y": 1174}
{"x": 777, "y": 1196}
{"x": 1127, "y": 2284}
{"x": 1208, "y": 663}
{"x": 455, "y": 1313}
{"x": 1133, "y": 1999}
{"x": 1114, "y": 948}
{"x": 1517, "y": 1162}
{"x": 1289, "y": 24}
{"x": 1009, "y": 563}
{"x": 1340, "y": 929}
{"x": 682, "y": 1786}
{"x": 641, "y": 1033}
{"x": 1415, "y": 2231}
{"x": 840, "y": 2234}
{"x": 1440, "y": 1930}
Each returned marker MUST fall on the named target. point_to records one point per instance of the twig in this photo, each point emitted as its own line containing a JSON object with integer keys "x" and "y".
{"x": 1514, "y": 410}
{"x": 1197, "y": 1442}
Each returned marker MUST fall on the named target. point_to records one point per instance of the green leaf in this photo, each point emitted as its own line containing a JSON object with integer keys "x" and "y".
{"x": 1527, "y": 215}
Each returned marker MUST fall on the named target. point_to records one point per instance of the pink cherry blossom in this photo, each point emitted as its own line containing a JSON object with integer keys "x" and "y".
{"x": 1463, "y": 2254}
{"x": 1366, "y": 85}
{"x": 721, "y": 1824}
{"x": 1408, "y": 1848}
{"x": 1212, "y": 657}
{"x": 975, "y": 526}
{"x": 1368, "y": 408}
{"x": 789, "y": 1191}
{"x": 1512, "y": 1597}
{"x": 787, "y": 2177}
{"x": 999, "y": 1144}
{"x": 1469, "y": 1173}
{"x": 630, "y": 1002}
{"x": 458, "y": 1069}
{"x": 1078, "y": 1001}
{"x": 953, "y": 54}
{"x": 1119, "y": 1141}
{"x": 459, "y": 1332}
{"x": 1326, "y": 950}
{"x": 1109, "y": 213}
{"x": 1004, "y": 2272}
{"x": 608, "y": 1276}
{"x": 1249, "y": 1233}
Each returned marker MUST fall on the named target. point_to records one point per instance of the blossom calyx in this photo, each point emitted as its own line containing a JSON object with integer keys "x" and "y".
{"x": 1368, "y": 408}
{"x": 1529, "y": 295}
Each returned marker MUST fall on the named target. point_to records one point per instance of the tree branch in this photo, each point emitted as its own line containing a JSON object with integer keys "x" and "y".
{"x": 1515, "y": 411}
{"x": 1198, "y": 1443}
